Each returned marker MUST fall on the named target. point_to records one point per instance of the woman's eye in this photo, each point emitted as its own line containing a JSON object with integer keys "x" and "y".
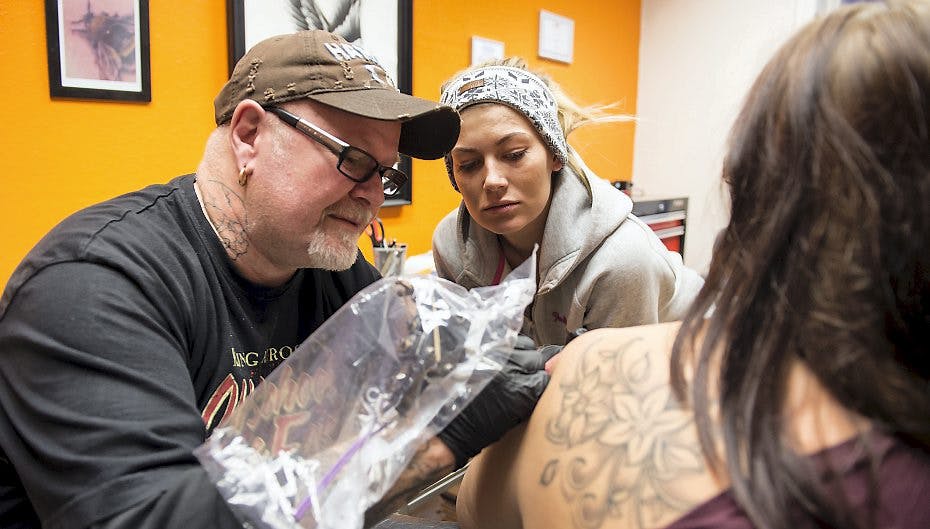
{"x": 466, "y": 166}
{"x": 515, "y": 155}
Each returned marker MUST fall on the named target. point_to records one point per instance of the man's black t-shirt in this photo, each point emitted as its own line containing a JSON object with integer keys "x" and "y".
{"x": 126, "y": 335}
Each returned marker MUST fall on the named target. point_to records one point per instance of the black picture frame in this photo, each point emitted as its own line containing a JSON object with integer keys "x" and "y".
{"x": 237, "y": 23}
{"x": 98, "y": 54}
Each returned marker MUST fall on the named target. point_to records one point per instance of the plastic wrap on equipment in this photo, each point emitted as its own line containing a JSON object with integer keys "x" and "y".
{"x": 327, "y": 434}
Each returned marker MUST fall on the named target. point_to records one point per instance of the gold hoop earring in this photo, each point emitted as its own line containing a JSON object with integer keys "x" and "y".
{"x": 244, "y": 175}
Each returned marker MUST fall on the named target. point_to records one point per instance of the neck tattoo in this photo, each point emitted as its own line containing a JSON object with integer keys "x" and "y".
{"x": 203, "y": 208}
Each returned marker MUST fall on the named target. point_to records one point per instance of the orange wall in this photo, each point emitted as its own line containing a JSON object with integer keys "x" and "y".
{"x": 63, "y": 155}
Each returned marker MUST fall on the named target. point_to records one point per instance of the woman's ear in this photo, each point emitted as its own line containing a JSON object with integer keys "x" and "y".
{"x": 243, "y": 130}
{"x": 556, "y": 163}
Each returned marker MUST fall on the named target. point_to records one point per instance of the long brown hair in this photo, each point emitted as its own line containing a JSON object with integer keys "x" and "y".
{"x": 826, "y": 257}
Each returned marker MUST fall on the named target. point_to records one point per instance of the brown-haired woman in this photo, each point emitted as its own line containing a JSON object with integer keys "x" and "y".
{"x": 796, "y": 393}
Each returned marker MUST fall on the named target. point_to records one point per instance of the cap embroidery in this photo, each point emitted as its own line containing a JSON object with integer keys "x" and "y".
{"x": 253, "y": 72}
{"x": 344, "y": 51}
{"x": 291, "y": 87}
{"x": 374, "y": 74}
{"x": 269, "y": 94}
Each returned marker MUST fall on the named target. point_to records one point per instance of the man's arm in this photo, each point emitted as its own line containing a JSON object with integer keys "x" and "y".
{"x": 99, "y": 414}
{"x": 504, "y": 403}
{"x": 431, "y": 462}
{"x": 102, "y": 422}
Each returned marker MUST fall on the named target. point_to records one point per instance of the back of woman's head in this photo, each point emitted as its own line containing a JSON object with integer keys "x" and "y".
{"x": 826, "y": 257}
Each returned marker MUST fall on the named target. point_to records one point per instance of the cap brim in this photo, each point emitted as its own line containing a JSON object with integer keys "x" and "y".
{"x": 429, "y": 130}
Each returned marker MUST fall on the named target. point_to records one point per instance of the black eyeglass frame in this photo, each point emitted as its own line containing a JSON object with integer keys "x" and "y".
{"x": 392, "y": 180}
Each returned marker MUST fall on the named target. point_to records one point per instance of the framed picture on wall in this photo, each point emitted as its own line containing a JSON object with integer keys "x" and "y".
{"x": 383, "y": 27}
{"x": 98, "y": 49}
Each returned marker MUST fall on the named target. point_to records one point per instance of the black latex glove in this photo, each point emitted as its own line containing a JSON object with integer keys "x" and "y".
{"x": 504, "y": 403}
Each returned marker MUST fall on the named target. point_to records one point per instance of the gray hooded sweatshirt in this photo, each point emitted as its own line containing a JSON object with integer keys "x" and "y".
{"x": 598, "y": 265}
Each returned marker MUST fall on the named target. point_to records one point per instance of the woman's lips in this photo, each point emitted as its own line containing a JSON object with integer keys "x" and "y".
{"x": 503, "y": 207}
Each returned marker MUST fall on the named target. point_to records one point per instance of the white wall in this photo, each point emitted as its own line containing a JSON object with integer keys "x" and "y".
{"x": 697, "y": 60}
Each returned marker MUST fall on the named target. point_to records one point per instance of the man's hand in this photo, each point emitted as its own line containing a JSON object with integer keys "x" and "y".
{"x": 505, "y": 402}
{"x": 554, "y": 358}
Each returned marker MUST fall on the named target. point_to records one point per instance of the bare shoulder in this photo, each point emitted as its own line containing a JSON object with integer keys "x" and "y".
{"x": 657, "y": 338}
{"x": 608, "y": 444}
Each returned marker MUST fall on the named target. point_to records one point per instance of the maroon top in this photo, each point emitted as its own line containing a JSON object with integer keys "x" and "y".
{"x": 903, "y": 488}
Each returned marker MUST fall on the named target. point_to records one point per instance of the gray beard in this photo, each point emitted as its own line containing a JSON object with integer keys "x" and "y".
{"x": 329, "y": 254}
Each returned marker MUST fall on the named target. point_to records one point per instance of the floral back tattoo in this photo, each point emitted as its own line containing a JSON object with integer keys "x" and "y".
{"x": 623, "y": 442}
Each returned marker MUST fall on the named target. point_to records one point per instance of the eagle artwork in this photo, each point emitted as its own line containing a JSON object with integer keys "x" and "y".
{"x": 336, "y": 16}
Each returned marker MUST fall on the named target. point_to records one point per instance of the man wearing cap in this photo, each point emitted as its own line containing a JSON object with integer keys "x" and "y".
{"x": 136, "y": 325}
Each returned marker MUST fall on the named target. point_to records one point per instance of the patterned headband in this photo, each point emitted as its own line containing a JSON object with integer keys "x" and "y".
{"x": 516, "y": 88}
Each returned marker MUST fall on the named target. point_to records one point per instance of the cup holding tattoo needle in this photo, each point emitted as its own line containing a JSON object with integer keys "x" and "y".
{"x": 389, "y": 260}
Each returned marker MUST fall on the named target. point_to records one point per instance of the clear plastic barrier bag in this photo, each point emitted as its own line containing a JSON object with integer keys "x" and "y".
{"x": 327, "y": 434}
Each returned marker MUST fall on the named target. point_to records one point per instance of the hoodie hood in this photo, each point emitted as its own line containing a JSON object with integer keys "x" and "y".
{"x": 577, "y": 225}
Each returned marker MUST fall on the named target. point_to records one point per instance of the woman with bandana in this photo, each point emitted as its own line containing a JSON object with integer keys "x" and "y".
{"x": 522, "y": 185}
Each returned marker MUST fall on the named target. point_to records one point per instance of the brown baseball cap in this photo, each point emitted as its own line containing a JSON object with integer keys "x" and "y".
{"x": 324, "y": 67}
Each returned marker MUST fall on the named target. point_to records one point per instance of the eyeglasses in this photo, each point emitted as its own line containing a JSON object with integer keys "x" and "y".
{"x": 356, "y": 164}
